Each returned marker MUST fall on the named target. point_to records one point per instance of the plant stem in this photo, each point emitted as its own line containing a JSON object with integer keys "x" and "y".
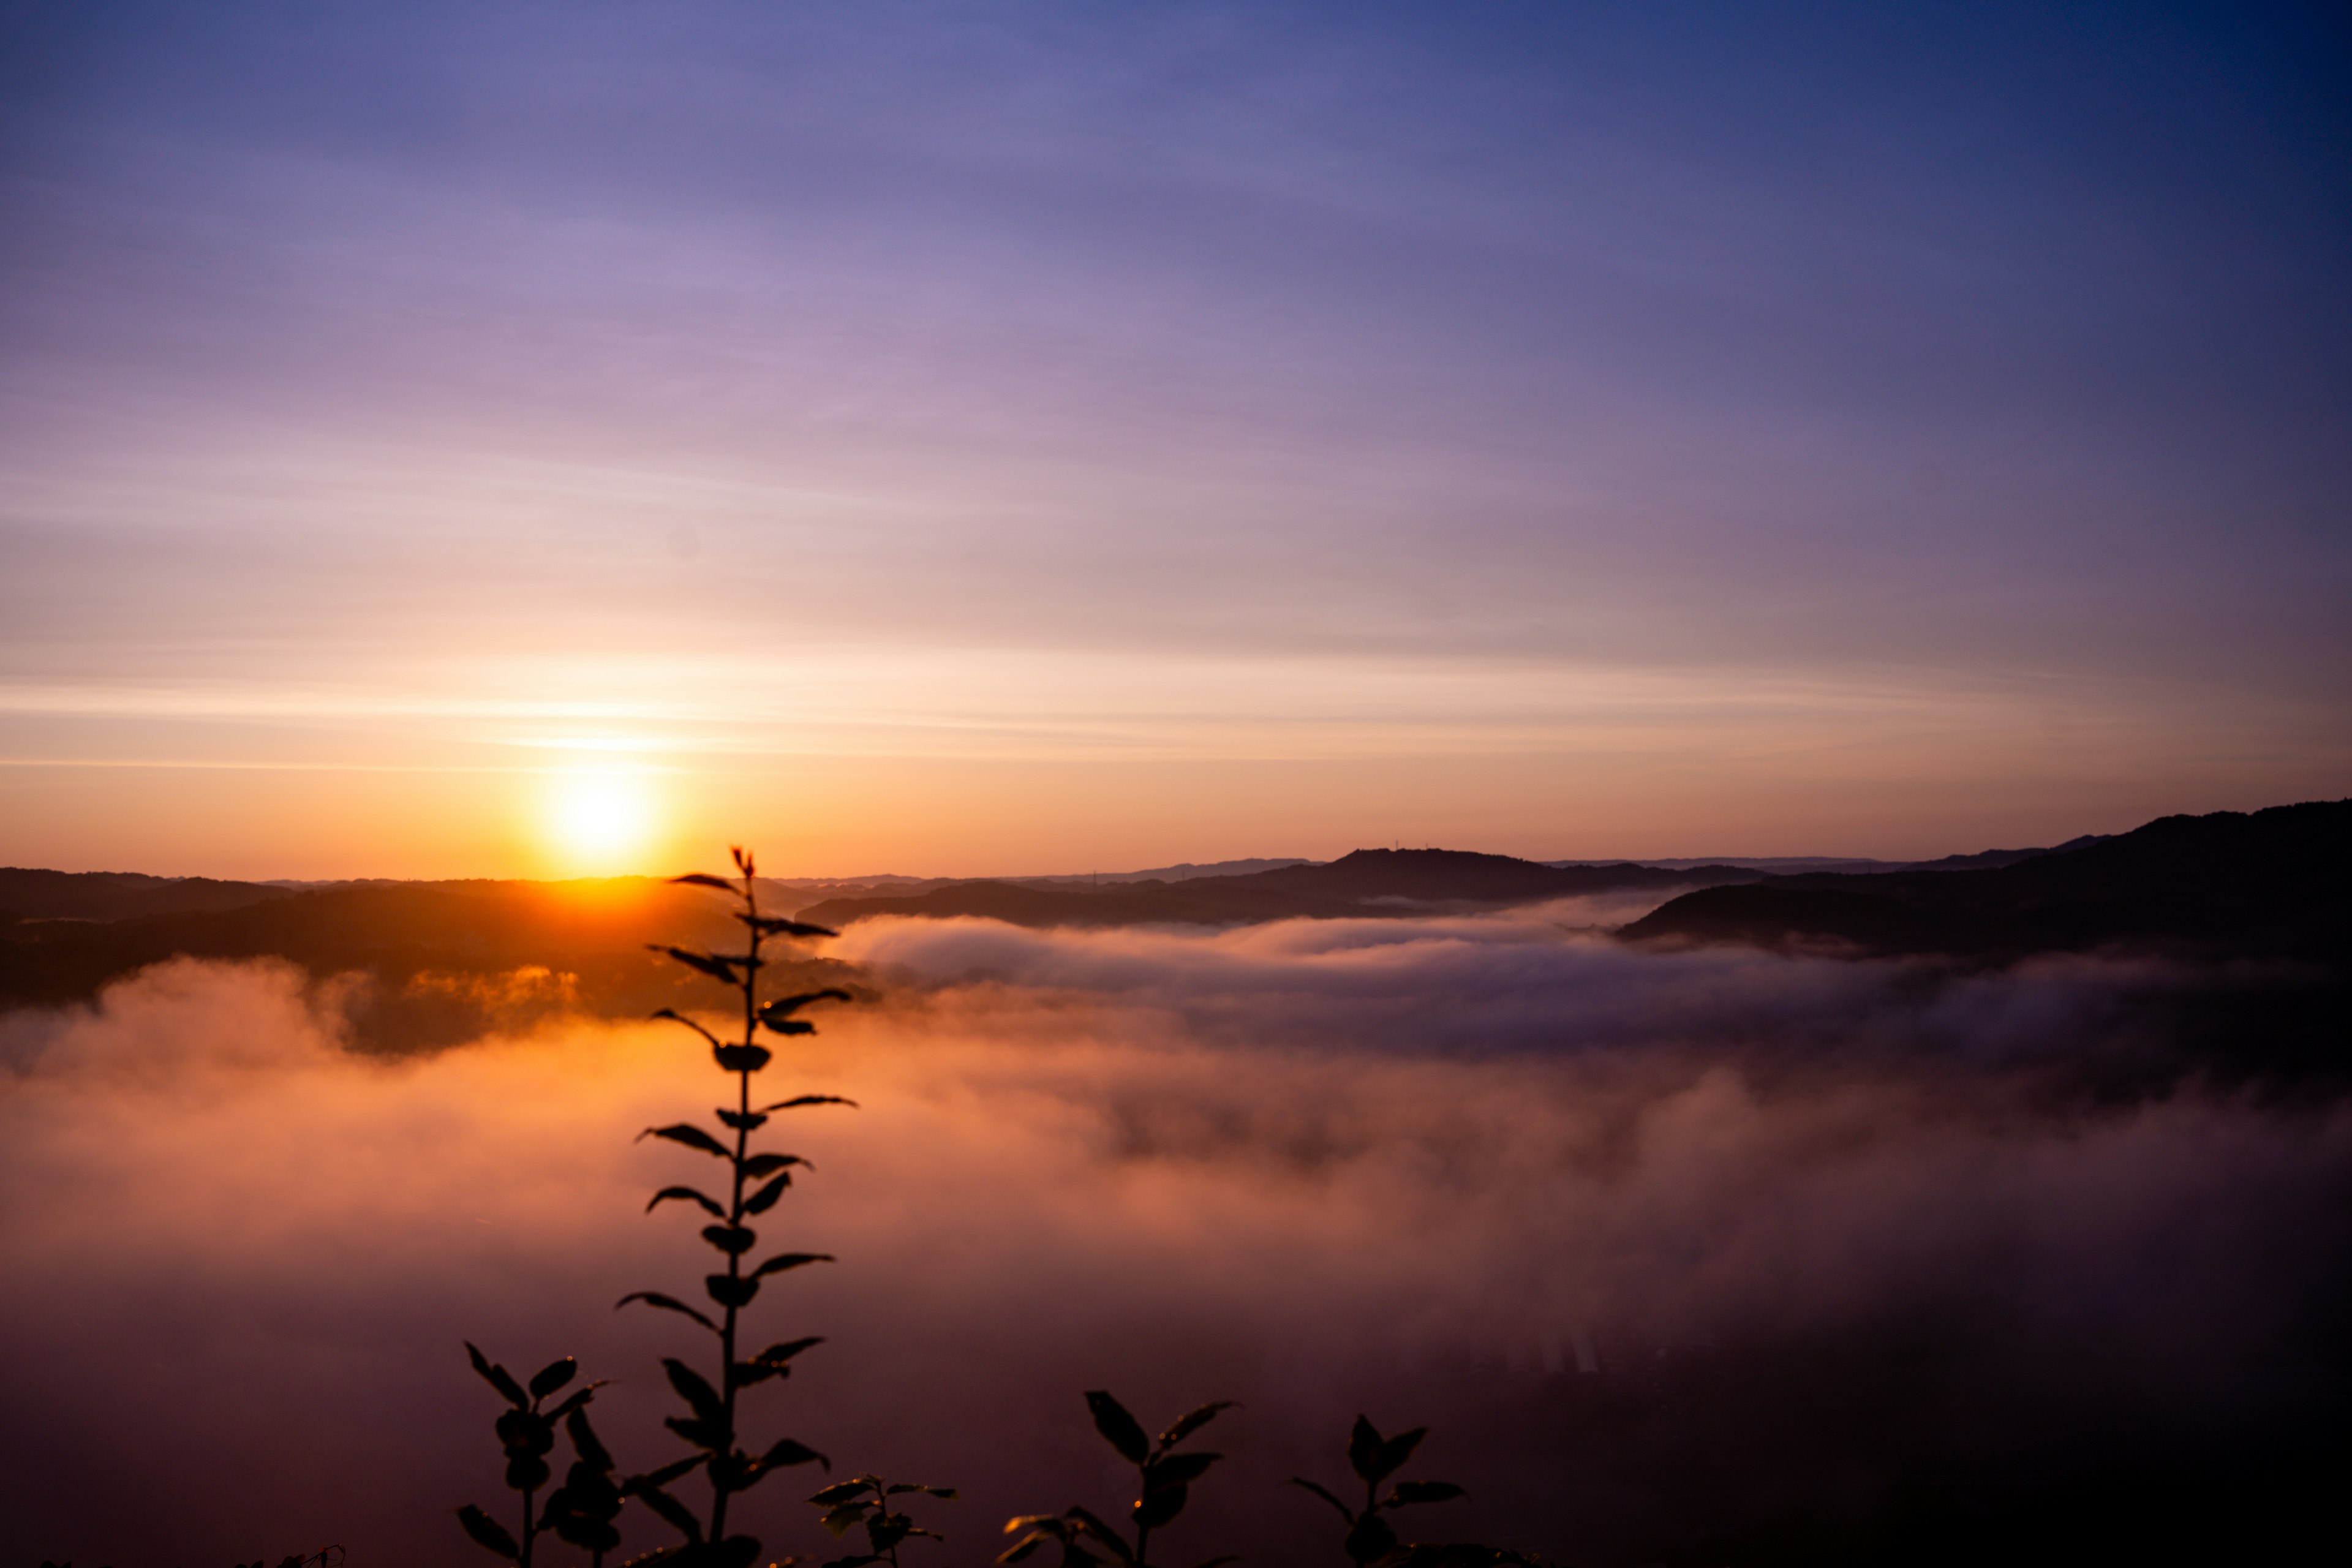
{"x": 735, "y": 1214}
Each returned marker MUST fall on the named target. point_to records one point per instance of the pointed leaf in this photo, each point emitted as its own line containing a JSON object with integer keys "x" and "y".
{"x": 784, "y": 1007}
{"x": 584, "y": 1442}
{"x": 1345, "y": 1512}
{"x": 842, "y": 1492}
{"x": 775, "y": 927}
{"x": 839, "y": 1519}
{"x": 742, "y": 1121}
{"x": 689, "y": 1195}
{"x": 690, "y": 1135}
{"x": 702, "y": 880}
{"x": 552, "y": 1376}
{"x": 667, "y": 1303}
{"x": 1154, "y": 1509}
{"x": 499, "y": 1378}
{"x": 800, "y": 1100}
{"x": 759, "y": 1165}
{"x": 1118, "y": 1427}
{"x": 1396, "y": 1451}
{"x": 784, "y": 1451}
{"x": 669, "y": 1472}
{"x": 784, "y": 1260}
{"x": 743, "y": 1059}
{"x": 765, "y": 1198}
{"x": 679, "y": 1516}
{"x": 487, "y": 1531}
{"x": 675, "y": 1016}
{"x": 694, "y": 1389}
{"x": 1177, "y": 1470}
{"x": 1408, "y": 1492}
{"x": 1192, "y": 1421}
{"x": 713, "y": 965}
{"x": 1364, "y": 1449}
{"x": 778, "y": 1354}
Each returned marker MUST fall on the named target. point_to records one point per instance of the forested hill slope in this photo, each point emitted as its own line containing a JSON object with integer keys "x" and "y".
{"x": 1369, "y": 882}
{"x": 2270, "y": 884}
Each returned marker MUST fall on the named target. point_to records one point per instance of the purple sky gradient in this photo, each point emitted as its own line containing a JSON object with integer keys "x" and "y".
{"x": 1016, "y": 438}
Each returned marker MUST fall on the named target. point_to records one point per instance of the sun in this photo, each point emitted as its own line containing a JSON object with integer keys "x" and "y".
{"x": 600, "y": 823}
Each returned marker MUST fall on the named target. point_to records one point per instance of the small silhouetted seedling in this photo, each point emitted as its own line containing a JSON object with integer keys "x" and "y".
{"x": 527, "y": 1432}
{"x": 757, "y": 1181}
{"x": 1370, "y": 1538}
{"x": 864, "y": 1501}
{"x": 1163, "y": 1484}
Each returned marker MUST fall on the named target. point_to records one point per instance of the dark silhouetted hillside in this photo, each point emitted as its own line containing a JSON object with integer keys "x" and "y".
{"x": 2272, "y": 884}
{"x": 120, "y": 895}
{"x": 441, "y": 962}
{"x": 1369, "y": 882}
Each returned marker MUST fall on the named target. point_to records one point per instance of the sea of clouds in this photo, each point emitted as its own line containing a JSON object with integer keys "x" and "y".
{"x": 1671, "y": 1250}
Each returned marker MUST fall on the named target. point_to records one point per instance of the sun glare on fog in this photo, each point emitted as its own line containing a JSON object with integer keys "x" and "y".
{"x": 600, "y": 824}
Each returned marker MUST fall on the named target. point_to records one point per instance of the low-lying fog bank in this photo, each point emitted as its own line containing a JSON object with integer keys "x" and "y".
{"x": 1705, "y": 1256}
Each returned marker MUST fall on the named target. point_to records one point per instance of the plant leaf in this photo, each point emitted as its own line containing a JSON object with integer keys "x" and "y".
{"x": 679, "y": 1516}
{"x": 784, "y": 1007}
{"x": 841, "y": 1491}
{"x": 1118, "y": 1427}
{"x": 498, "y": 1377}
{"x": 703, "y": 880}
{"x": 1408, "y": 1493}
{"x": 800, "y": 1100}
{"x": 765, "y": 1198}
{"x": 775, "y": 927}
{"x": 667, "y": 1303}
{"x": 786, "y": 1451}
{"x": 695, "y": 1389}
{"x": 742, "y": 1059}
{"x": 759, "y": 1165}
{"x": 839, "y": 1519}
{"x": 487, "y": 1531}
{"x": 1364, "y": 1449}
{"x": 584, "y": 1442}
{"x": 743, "y": 1121}
{"x": 1371, "y": 1539}
{"x": 1192, "y": 1421}
{"x": 552, "y": 1376}
{"x": 691, "y": 1196}
{"x": 713, "y": 965}
{"x": 1396, "y": 1451}
{"x": 734, "y": 1240}
{"x": 1345, "y": 1512}
{"x": 778, "y": 1354}
{"x": 670, "y": 1472}
{"x": 688, "y": 1133}
{"x": 1177, "y": 1470}
{"x": 784, "y": 1260}
{"x": 675, "y": 1016}
{"x": 946, "y": 1494}
{"x": 730, "y": 1291}
{"x": 1154, "y": 1509}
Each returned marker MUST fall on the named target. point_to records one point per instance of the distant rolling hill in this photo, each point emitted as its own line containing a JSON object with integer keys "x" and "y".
{"x": 1369, "y": 882}
{"x": 120, "y": 895}
{"x": 444, "y": 961}
{"x": 2272, "y": 884}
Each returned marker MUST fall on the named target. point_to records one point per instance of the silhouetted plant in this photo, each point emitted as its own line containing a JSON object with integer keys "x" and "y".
{"x": 757, "y": 1181}
{"x": 1370, "y": 1538}
{"x": 866, "y": 1500}
{"x": 527, "y": 1433}
{"x": 583, "y": 1509}
{"x": 1164, "y": 1480}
